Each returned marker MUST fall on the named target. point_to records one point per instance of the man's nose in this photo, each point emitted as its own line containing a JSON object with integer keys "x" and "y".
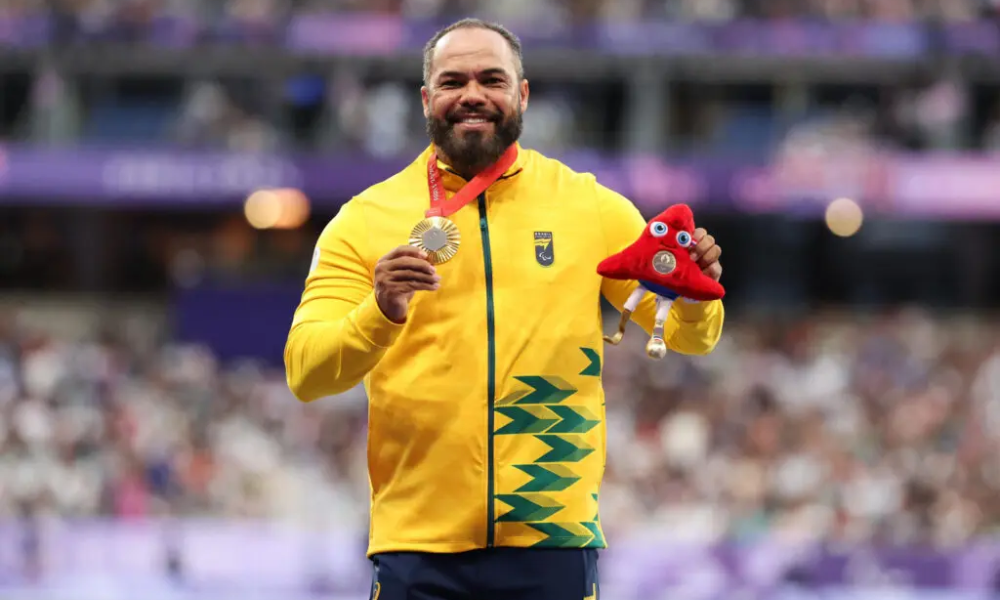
{"x": 473, "y": 94}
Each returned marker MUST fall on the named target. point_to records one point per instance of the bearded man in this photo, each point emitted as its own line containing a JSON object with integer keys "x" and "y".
{"x": 463, "y": 292}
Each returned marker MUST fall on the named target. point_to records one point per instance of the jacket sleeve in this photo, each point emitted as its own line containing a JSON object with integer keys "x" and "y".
{"x": 338, "y": 333}
{"x": 693, "y": 327}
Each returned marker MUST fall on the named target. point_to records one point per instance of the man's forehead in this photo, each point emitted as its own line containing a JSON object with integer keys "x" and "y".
{"x": 472, "y": 49}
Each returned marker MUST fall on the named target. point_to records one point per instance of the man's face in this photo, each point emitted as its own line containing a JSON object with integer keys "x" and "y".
{"x": 473, "y": 101}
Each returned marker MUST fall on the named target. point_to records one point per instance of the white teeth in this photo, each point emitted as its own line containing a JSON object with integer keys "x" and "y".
{"x": 473, "y": 120}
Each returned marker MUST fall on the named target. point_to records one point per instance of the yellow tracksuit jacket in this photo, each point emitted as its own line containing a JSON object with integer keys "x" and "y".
{"x": 486, "y": 411}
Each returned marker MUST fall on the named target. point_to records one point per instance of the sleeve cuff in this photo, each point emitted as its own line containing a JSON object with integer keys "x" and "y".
{"x": 374, "y": 325}
{"x": 693, "y": 311}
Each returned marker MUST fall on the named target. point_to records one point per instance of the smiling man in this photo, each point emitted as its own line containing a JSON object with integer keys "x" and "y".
{"x": 463, "y": 292}
{"x": 471, "y": 133}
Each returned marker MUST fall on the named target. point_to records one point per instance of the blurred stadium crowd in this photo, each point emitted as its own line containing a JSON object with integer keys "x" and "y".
{"x": 381, "y": 116}
{"x": 829, "y": 427}
{"x": 89, "y": 11}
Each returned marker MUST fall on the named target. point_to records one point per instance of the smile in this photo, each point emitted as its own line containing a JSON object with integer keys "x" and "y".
{"x": 474, "y": 123}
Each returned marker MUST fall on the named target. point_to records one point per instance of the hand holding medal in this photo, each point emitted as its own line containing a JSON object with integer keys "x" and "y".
{"x": 437, "y": 235}
{"x": 400, "y": 274}
{"x": 434, "y": 240}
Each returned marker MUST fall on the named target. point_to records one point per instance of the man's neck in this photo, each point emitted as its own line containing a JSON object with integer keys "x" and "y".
{"x": 469, "y": 173}
{"x": 465, "y": 171}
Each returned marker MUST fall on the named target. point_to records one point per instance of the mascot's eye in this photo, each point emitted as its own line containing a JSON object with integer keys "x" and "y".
{"x": 658, "y": 229}
{"x": 683, "y": 238}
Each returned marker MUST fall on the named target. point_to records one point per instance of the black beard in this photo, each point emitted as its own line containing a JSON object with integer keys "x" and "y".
{"x": 474, "y": 151}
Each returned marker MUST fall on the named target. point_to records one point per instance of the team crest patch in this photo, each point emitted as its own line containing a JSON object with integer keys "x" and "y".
{"x": 544, "y": 248}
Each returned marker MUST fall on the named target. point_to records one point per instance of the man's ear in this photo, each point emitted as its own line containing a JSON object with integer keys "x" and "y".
{"x": 425, "y": 99}
{"x": 524, "y": 95}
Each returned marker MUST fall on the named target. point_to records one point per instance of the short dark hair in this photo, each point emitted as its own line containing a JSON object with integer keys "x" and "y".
{"x": 512, "y": 41}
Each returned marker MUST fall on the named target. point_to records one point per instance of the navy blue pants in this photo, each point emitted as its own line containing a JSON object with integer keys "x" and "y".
{"x": 493, "y": 574}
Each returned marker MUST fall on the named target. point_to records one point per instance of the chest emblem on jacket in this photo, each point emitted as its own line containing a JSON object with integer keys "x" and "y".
{"x": 544, "y": 248}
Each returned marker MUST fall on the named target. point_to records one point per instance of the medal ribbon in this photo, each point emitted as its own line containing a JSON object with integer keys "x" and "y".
{"x": 441, "y": 206}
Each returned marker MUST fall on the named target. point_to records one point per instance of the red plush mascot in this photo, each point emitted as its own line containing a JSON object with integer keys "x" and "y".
{"x": 660, "y": 261}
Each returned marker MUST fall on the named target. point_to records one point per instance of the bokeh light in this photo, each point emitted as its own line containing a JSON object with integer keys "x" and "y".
{"x": 276, "y": 209}
{"x": 844, "y": 217}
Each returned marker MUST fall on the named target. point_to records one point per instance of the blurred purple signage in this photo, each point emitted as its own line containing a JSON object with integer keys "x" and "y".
{"x": 211, "y": 557}
{"x": 948, "y": 187}
{"x": 938, "y": 186}
{"x": 354, "y": 35}
{"x": 381, "y": 35}
{"x": 24, "y": 32}
{"x": 178, "y": 178}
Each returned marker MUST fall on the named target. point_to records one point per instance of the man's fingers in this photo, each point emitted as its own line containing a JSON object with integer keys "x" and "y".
{"x": 408, "y": 275}
{"x": 404, "y": 270}
{"x": 421, "y": 286}
{"x": 401, "y": 251}
{"x": 711, "y": 256}
{"x": 408, "y": 264}
{"x": 398, "y": 288}
{"x": 702, "y": 247}
{"x": 714, "y": 271}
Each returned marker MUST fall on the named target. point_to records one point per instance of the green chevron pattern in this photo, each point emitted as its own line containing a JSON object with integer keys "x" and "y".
{"x": 564, "y": 535}
{"x": 537, "y": 409}
{"x": 527, "y": 507}
{"x": 546, "y": 419}
{"x": 552, "y": 478}
{"x": 594, "y": 368}
{"x": 597, "y": 515}
{"x": 525, "y": 420}
{"x": 574, "y": 419}
{"x": 598, "y": 539}
{"x": 546, "y": 390}
{"x": 563, "y": 450}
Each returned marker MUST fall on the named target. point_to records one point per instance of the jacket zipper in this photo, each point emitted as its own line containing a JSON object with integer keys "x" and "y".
{"x": 484, "y": 229}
